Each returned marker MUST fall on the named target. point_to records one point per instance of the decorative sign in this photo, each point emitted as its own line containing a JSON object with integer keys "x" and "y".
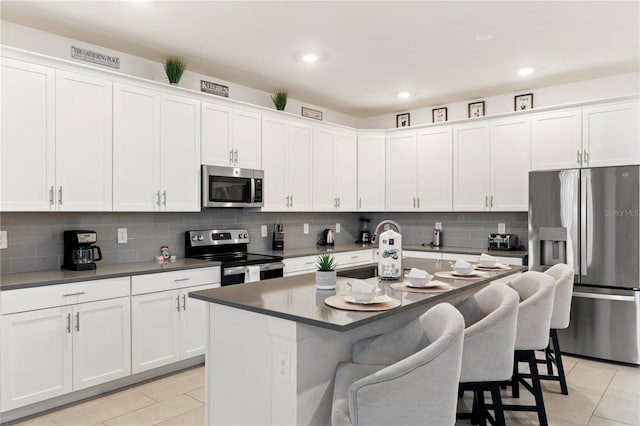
{"x": 95, "y": 57}
{"x": 214, "y": 88}
{"x": 311, "y": 113}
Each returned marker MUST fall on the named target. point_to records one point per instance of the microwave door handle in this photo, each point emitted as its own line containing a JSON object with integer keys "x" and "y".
{"x": 253, "y": 191}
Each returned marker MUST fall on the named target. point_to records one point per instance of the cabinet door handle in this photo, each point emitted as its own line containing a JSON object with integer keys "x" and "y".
{"x": 292, "y": 201}
{"x": 235, "y": 157}
{"x": 178, "y": 303}
{"x": 73, "y": 294}
{"x": 69, "y": 323}
{"x": 231, "y": 156}
{"x": 414, "y": 202}
{"x": 60, "y": 195}
{"x": 418, "y": 202}
{"x": 338, "y": 202}
{"x": 158, "y": 198}
{"x": 586, "y": 156}
{"x": 491, "y": 201}
{"x": 164, "y": 198}
{"x": 51, "y": 195}
{"x": 184, "y": 302}
{"x": 486, "y": 201}
{"x": 579, "y": 157}
{"x": 77, "y": 321}
{"x": 360, "y": 202}
{"x": 287, "y": 201}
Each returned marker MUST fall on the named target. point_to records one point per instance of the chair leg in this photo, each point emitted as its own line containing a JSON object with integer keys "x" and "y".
{"x": 547, "y": 354}
{"x": 515, "y": 386}
{"x": 558, "y": 356}
{"x": 498, "y": 411}
{"x": 475, "y": 413}
{"x": 481, "y": 409}
{"x": 537, "y": 389}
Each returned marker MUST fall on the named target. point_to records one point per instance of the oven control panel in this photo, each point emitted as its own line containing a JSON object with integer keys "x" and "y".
{"x": 214, "y": 237}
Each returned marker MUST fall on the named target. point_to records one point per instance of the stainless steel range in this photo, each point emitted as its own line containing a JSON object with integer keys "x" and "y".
{"x": 229, "y": 246}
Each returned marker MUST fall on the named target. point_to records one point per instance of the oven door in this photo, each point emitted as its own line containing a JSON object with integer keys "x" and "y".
{"x": 227, "y": 187}
{"x": 236, "y": 274}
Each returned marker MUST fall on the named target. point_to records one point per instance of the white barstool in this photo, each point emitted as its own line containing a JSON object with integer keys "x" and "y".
{"x": 408, "y": 376}
{"x": 536, "y": 291}
{"x": 491, "y": 317}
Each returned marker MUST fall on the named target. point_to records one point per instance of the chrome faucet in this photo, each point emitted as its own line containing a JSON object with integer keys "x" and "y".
{"x": 383, "y": 223}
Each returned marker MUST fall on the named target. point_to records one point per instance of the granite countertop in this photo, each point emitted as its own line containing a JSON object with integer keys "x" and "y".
{"x": 297, "y": 299}
{"x": 61, "y": 276}
{"x": 316, "y": 250}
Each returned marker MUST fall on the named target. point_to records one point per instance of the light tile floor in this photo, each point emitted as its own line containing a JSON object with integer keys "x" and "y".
{"x": 600, "y": 394}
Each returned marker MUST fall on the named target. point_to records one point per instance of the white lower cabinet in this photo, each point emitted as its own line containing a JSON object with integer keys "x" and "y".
{"x": 167, "y": 325}
{"x": 50, "y": 352}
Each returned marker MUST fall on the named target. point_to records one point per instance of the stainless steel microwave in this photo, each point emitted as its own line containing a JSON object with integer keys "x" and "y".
{"x": 231, "y": 187}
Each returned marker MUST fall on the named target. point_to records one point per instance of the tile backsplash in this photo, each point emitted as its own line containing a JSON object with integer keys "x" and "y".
{"x": 35, "y": 239}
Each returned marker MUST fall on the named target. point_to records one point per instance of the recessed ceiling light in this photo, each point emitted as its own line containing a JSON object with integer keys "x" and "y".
{"x": 484, "y": 36}
{"x": 525, "y": 71}
{"x": 310, "y": 58}
{"x": 404, "y": 95}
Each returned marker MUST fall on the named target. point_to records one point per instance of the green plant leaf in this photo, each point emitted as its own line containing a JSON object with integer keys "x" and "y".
{"x": 325, "y": 262}
{"x": 174, "y": 68}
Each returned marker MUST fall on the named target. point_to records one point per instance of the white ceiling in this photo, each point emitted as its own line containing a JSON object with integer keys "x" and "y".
{"x": 369, "y": 51}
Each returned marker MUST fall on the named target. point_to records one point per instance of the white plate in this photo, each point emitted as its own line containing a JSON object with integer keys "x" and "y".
{"x": 456, "y": 274}
{"x": 491, "y": 268}
{"x": 425, "y": 285}
{"x": 378, "y": 299}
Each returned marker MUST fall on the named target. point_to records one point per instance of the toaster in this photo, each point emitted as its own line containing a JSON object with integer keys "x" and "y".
{"x": 503, "y": 242}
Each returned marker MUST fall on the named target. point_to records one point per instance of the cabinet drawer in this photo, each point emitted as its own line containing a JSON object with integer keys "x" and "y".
{"x": 421, "y": 254}
{"x": 28, "y": 299}
{"x": 300, "y": 264}
{"x": 350, "y": 258}
{"x": 162, "y": 281}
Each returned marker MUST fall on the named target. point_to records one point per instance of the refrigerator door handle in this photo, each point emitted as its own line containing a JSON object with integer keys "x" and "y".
{"x": 583, "y": 222}
{"x": 604, "y": 296}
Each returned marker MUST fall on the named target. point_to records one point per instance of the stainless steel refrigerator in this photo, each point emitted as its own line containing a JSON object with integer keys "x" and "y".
{"x": 588, "y": 218}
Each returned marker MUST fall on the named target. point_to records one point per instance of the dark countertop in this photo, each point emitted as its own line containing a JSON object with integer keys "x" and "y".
{"x": 297, "y": 299}
{"x": 317, "y": 250}
{"x": 62, "y": 276}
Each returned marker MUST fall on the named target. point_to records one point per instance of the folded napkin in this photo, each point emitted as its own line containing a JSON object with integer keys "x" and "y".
{"x": 417, "y": 273}
{"x": 358, "y": 286}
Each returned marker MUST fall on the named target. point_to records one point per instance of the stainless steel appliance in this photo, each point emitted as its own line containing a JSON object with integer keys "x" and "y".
{"x": 231, "y": 187}
{"x": 80, "y": 253}
{"x": 229, "y": 247}
{"x": 436, "y": 240}
{"x": 503, "y": 242}
{"x": 327, "y": 238}
{"x": 588, "y": 218}
{"x": 365, "y": 235}
{"x": 278, "y": 237}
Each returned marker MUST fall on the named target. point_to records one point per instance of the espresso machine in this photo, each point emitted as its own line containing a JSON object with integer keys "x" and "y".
{"x": 80, "y": 253}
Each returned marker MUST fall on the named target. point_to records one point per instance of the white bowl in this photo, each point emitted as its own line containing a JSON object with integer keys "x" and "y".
{"x": 363, "y": 296}
{"x": 486, "y": 263}
{"x": 418, "y": 281}
{"x": 463, "y": 270}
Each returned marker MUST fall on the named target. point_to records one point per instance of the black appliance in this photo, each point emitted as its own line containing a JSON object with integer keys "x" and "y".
{"x": 327, "y": 238}
{"x": 229, "y": 247}
{"x": 80, "y": 253}
{"x": 278, "y": 237}
{"x": 365, "y": 235}
{"x": 503, "y": 242}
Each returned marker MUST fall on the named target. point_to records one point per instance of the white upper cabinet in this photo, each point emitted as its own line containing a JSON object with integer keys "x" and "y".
{"x": 471, "y": 176}
{"x": 401, "y": 171}
{"x": 610, "y": 135}
{"x": 230, "y": 137}
{"x": 510, "y": 164}
{"x": 435, "y": 169}
{"x": 27, "y": 142}
{"x": 286, "y": 160}
{"x": 371, "y": 172}
{"x": 156, "y": 149}
{"x": 180, "y": 154}
{"x": 83, "y": 142}
{"x": 334, "y": 170}
{"x": 556, "y": 140}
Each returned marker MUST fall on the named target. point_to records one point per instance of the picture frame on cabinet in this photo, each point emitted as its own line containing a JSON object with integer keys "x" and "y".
{"x": 476, "y": 109}
{"x": 439, "y": 114}
{"x": 522, "y": 102}
{"x": 311, "y": 113}
{"x": 403, "y": 120}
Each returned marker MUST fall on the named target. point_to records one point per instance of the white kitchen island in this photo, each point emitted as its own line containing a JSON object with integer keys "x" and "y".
{"x": 273, "y": 346}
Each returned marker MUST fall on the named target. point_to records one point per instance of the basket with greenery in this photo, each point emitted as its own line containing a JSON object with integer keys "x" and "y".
{"x": 174, "y": 68}
{"x": 279, "y": 100}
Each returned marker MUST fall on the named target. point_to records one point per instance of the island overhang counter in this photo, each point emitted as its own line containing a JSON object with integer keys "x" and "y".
{"x": 273, "y": 346}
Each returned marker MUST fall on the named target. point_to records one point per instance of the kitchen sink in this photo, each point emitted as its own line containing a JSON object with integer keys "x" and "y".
{"x": 360, "y": 273}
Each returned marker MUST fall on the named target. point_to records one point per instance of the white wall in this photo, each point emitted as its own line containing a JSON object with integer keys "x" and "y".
{"x": 607, "y": 87}
{"x": 34, "y": 40}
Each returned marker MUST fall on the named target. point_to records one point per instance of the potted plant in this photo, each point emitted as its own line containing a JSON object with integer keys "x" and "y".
{"x": 326, "y": 273}
{"x": 279, "y": 100}
{"x": 174, "y": 68}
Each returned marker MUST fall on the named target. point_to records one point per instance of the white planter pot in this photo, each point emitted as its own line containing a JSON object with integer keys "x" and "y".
{"x": 326, "y": 280}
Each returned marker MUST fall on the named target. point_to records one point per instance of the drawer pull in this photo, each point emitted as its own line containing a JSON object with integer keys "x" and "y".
{"x": 77, "y": 321}
{"x": 354, "y": 257}
{"x": 181, "y": 279}
{"x": 309, "y": 263}
{"x": 73, "y": 294}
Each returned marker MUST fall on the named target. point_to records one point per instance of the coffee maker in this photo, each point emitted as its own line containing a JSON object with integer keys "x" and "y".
{"x": 278, "y": 237}
{"x": 80, "y": 253}
{"x": 365, "y": 235}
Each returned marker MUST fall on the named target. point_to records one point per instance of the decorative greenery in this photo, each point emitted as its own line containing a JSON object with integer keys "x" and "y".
{"x": 174, "y": 68}
{"x": 279, "y": 100}
{"x": 325, "y": 262}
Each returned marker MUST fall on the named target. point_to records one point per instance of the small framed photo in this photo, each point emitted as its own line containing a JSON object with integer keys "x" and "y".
{"x": 476, "y": 109}
{"x": 522, "y": 102}
{"x": 403, "y": 120}
{"x": 439, "y": 114}
{"x": 311, "y": 113}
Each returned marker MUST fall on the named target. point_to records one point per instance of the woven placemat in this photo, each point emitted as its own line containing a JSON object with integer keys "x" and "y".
{"x": 439, "y": 288}
{"x": 474, "y": 276}
{"x": 337, "y": 301}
